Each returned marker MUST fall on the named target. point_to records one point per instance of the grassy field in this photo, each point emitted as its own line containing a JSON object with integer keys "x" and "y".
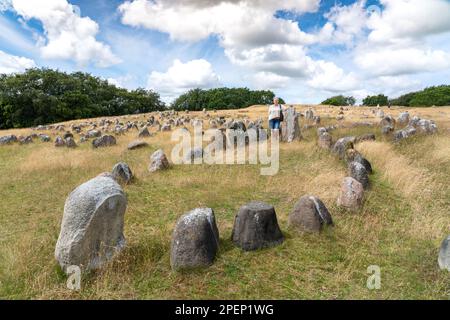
{"x": 404, "y": 219}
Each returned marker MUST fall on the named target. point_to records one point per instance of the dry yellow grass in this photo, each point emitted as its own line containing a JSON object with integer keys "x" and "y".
{"x": 400, "y": 227}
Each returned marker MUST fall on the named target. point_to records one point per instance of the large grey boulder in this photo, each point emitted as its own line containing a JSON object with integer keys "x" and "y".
{"x": 404, "y": 133}
{"x": 256, "y": 227}
{"x": 309, "y": 214}
{"x": 92, "y": 224}
{"x": 121, "y": 172}
{"x": 158, "y": 161}
{"x": 403, "y": 118}
{"x": 104, "y": 141}
{"x": 358, "y": 172}
{"x": 387, "y": 124}
{"x": 290, "y": 127}
{"x": 426, "y": 126}
{"x": 444, "y": 255}
{"x": 351, "y": 196}
{"x": 8, "y": 139}
{"x": 195, "y": 240}
{"x": 342, "y": 145}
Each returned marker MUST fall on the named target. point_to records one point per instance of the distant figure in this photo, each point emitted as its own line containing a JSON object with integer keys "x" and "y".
{"x": 275, "y": 117}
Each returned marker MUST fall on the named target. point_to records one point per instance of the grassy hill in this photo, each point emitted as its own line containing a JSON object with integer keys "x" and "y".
{"x": 404, "y": 219}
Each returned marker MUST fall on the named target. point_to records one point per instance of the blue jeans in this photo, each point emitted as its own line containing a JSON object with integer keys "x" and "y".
{"x": 274, "y": 124}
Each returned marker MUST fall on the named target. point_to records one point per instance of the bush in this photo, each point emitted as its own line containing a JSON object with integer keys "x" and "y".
{"x": 340, "y": 101}
{"x": 380, "y": 99}
{"x": 432, "y": 96}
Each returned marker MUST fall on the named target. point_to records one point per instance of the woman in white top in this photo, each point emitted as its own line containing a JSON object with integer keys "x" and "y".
{"x": 275, "y": 115}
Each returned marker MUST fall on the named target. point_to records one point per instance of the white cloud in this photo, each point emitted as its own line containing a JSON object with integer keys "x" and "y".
{"x": 68, "y": 35}
{"x": 12, "y": 64}
{"x": 327, "y": 76}
{"x": 269, "y": 80}
{"x": 181, "y": 77}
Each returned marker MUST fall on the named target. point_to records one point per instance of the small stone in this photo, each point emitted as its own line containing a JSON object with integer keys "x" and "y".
{"x": 357, "y": 171}
{"x": 309, "y": 214}
{"x": 444, "y": 255}
{"x": 104, "y": 141}
{"x": 137, "y": 144}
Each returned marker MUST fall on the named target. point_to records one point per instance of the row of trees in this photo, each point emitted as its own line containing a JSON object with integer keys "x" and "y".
{"x": 432, "y": 96}
{"x": 222, "y": 98}
{"x": 340, "y": 101}
{"x": 41, "y": 96}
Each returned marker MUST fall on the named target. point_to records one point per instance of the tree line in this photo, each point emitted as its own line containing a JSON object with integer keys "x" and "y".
{"x": 43, "y": 96}
{"x": 431, "y": 96}
{"x": 222, "y": 98}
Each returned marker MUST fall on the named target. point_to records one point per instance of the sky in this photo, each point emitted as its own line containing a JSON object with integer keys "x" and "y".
{"x": 303, "y": 50}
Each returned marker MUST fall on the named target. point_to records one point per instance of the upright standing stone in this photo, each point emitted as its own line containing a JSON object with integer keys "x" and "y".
{"x": 444, "y": 255}
{"x": 104, "y": 141}
{"x": 342, "y": 145}
{"x": 290, "y": 127}
{"x": 352, "y": 194}
{"x": 121, "y": 172}
{"x": 358, "y": 172}
{"x": 195, "y": 240}
{"x": 256, "y": 227}
{"x": 325, "y": 140}
{"x": 158, "y": 161}
{"x": 309, "y": 214}
{"x": 92, "y": 225}
{"x": 144, "y": 133}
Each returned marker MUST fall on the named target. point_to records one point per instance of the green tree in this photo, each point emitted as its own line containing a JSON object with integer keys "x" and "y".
{"x": 41, "y": 96}
{"x": 340, "y": 101}
{"x": 380, "y": 99}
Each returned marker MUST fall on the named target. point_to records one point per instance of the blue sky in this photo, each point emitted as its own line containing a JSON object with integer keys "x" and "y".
{"x": 303, "y": 50}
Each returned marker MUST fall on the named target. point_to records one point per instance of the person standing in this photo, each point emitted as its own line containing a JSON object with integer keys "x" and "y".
{"x": 275, "y": 117}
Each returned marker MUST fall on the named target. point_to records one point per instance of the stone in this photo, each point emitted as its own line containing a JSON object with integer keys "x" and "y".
{"x": 44, "y": 137}
{"x": 144, "y": 133}
{"x": 158, "y": 161}
{"x": 92, "y": 225}
{"x": 351, "y": 196}
{"x": 444, "y": 255}
{"x": 137, "y": 144}
{"x": 290, "y": 127}
{"x": 70, "y": 142}
{"x": 121, "y": 172}
{"x": 358, "y": 172}
{"x": 365, "y": 137}
{"x": 93, "y": 134}
{"x": 387, "y": 124}
{"x": 195, "y": 240}
{"x": 25, "y": 140}
{"x": 166, "y": 127}
{"x": 426, "y": 126}
{"x": 67, "y": 135}
{"x": 325, "y": 140}
{"x": 404, "y": 133}
{"x": 341, "y": 146}
{"x": 353, "y": 155}
{"x": 104, "y": 141}
{"x": 237, "y": 125}
{"x": 380, "y": 113}
{"x": 256, "y": 227}
{"x": 59, "y": 142}
{"x": 309, "y": 214}
{"x": 8, "y": 139}
{"x": 403, "y": 118}
{"x": 309, "y": 114}
{"x": 193, "y": 154}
